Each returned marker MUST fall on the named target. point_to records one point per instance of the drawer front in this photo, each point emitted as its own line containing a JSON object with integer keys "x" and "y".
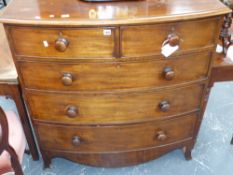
{"x": 64, "y": 43}
{"x": 113, "y": 107}
{"x": 115, "y": 138}
{"x": 115, "y": 75}
{"x": 148, "y": 39}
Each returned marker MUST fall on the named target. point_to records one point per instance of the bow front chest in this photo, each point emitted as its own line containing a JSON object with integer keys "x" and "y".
{"x": 114, "y": 84}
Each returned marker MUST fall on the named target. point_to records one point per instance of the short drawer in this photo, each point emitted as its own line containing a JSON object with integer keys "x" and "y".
{"x": 115, "y": 138}
{"x": 148, "y": 39}
{"x": 115, "y": 75}
{"x": 97, "y": 108}
{"x": 64, "y": 43}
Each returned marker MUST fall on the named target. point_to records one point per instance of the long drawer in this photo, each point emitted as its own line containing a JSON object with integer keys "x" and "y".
{"x": 102, "y": 108}
{"x": 115, "y": 75}
{"x": 115, "y": 138}
{"x": 64, "y": 42}
{"x": 148, "y": 39}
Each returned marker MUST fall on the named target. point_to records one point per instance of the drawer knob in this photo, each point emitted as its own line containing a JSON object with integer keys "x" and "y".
{"x": 173, "y": 39}
{"x": 164, "y": 106}
{"x": 61, "y": 44}
{"x": 161, "y": 136}
{"x": 76, "y": 141}
{"x": 67, "y": 79}
{"x": 168, "y": 73}
{"x": 72, "y": 111}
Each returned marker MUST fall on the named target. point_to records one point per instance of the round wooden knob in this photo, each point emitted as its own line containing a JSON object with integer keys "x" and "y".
{"x": 72, "y": 111}
{"x": 169, "y": 74}
{"x": 164, "y": 106}
{"x": 161, "y": 136}
{"x": 76, "y": 141}
{"x": 173, "y": 39}
{"x": 67, "y": 79}
{"x": 61, "y": 44}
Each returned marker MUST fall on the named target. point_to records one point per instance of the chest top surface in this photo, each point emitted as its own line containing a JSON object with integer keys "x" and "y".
{"x": 78, "y": 13}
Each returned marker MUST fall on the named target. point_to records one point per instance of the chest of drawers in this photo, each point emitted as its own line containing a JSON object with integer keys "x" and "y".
{"x": 98, "y": 89}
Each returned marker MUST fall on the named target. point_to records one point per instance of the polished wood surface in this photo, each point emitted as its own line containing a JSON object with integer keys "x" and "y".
{"x": 83, "y": 42}
{"x": 136, "y": 41}
{"x": 148, "y": 39}
{"x": 75, "y": 12}
{"x": 124, "y": 137}
{"x": 109, "y": 97}
{"x": 97, "y": 108}
{"x": 115, "y": 75}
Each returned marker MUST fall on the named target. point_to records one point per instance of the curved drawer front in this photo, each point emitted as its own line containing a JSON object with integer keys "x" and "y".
{"x": 64, "y": 43}
{"x": 115, "y": 138}
{"x": 115, "y": 107}
{"x": 115, "y": 75}
{"x": 148, "y": 39}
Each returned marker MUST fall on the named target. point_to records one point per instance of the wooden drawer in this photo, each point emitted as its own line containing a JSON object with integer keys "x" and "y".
{"x": 113, "y": 107}
{"x": 148, "y": 39}
{"x": 49, "y": 42}
{"x": 115, "y": 75}
{"x": 115, "y": 138}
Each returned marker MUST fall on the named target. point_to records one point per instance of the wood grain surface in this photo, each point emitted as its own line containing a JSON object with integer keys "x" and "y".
{"x": 123, "y": 137}
{"x": 100, "y": 108}
{"x": 115, "y": 75}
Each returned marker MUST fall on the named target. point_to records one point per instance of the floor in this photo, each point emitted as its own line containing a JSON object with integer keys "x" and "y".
{"x": 212, "y": 155}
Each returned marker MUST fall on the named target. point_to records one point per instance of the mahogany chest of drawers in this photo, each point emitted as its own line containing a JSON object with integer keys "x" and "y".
{"x": 98, "y": 89}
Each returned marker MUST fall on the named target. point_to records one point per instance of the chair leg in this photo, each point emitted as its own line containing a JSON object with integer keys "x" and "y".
{"x": 25, "y": 122}
{"x": 15, "y": 161}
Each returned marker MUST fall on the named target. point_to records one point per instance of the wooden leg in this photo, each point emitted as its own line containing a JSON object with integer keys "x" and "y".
{"x": 17, "y": 97}
{"x": 47, "y": 163}
{"x": 187, "y": 152}
{"x": 46, "y": 159}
